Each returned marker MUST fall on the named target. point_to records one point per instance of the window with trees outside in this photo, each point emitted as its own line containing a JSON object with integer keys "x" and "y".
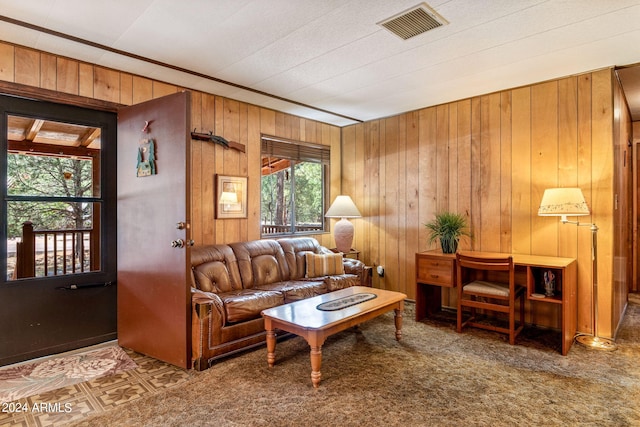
{"x": 293, "y": 186}
{"x": 52, "y": 200}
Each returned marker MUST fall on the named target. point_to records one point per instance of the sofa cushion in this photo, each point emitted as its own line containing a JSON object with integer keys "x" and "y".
{"x": 319, "y": 265}
{"x": 335, "y": 283}
{"x": 260, "y": 262}
{"x": 247, "y": 304}
{"x": 215, "y": 269}
{"x": 296, "y": 290}
{"x": 295, "y": 249}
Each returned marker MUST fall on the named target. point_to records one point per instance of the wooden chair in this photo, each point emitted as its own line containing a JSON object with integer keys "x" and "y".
{"x": 489, "y": 284}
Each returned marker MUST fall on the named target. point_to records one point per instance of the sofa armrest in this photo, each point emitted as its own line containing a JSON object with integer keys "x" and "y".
{"x": 207, "y": 319}
{"x": 357, "y": 267}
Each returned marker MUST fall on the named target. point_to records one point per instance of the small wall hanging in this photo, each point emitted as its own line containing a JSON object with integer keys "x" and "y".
{"x": 146, "y": 158}
{"x": 231, "y": 196}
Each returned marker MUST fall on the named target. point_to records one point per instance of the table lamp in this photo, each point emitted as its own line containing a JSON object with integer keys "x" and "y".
{"x": 565, "y": 202}
{"x": 343, "y": 208}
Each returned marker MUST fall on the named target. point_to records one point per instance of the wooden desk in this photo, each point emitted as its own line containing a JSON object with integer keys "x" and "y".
{"x": 435, "y": 270}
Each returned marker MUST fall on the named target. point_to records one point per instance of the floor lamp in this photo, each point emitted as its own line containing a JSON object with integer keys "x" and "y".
{"x": 565, "y": 202}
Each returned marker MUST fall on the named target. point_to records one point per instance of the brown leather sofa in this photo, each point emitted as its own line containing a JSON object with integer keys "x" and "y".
{"x": 233, "y": 283}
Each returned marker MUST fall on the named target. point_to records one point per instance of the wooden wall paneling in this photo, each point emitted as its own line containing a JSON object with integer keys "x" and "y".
{"x": 219, "y": 167}
{"x": 142, "y": 89}
{"x": 372, "y": 136}
{"x": 335, "y": 141}
{"x": 196, "y": 171}
{"x": 253, "y": 172}
{"x": 85, "y": 80}
{"x": 521, "y": 152}
{"x": 584, "y": 267}
{"x": 67, "y": 72}
{"x": 427, "y": 173}
{"x": 243, "y": 168}
{"x": 126, "y": 89}
{"x": 452, "y": 141}
{"x": 356, "y": 188}
{"x": 209, "y": 169}
{"x": 413, "y": 224}
{"x": 7, "y": 62}
{"x": 602, "y": 192}
{"x": 441, "y": 142}
{"x": 403, "y": 284}
{"x": 567, "y": 162}
{"x": 230, "y": 116}
{"x": 623, "y": 261}
{"x": 48, "y": 70}
{"x": 463, "y": 132}
{"x": 568, "y": 157}
{"x": 544, "y": 164}
{"x": 347, "y": 184}
{"x": 106, "y": 84}
{"x": 476, "y": 174}
{"x": 362, "y": 136}
{"x": 391, "y": 202}
{"x": 490, "y": 173}
{"x": 27, "y": 66}
{"x": 443, "y": 170}
{"x": 161, "y": 89}
{"x": 544, "y": 174}
{"x": 506, "y": 172}
{"x": 382, "y": 206}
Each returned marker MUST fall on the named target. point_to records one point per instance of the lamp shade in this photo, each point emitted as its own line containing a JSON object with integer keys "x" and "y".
{"x": 228, "y": 197}
{"x": 563, "y": 202}
{"x": 343, "y": 207}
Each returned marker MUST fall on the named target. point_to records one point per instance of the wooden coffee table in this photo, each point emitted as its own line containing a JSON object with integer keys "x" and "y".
{"x": 303, "y": 318}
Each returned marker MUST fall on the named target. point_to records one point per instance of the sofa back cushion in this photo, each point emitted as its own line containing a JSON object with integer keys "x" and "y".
{"x": 260, "y": 262}
{"x": 215, "y": 269}
{"x": 295, "y": 249}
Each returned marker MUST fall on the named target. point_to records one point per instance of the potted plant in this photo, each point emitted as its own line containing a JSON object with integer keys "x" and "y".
{"x": 448, "y": 227}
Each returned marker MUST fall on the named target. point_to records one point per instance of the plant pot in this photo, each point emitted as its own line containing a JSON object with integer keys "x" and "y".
{"x": 449, "y": 246}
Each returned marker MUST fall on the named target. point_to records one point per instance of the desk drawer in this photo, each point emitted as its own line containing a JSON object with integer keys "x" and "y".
{"x": 435, "y": 271}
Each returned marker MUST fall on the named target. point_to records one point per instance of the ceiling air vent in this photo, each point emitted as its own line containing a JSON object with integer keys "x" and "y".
{"x": 412, "y": 22}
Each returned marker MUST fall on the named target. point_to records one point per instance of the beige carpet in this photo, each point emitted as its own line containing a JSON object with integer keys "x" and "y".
{"x": 28, "y": 379}
{"x": 433, "y": 377}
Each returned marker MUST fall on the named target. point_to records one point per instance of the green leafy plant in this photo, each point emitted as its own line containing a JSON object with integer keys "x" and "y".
{"x": 448, "y": 227}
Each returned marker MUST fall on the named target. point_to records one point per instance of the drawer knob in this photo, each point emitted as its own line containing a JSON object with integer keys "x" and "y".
{"x": 434, "y": 276}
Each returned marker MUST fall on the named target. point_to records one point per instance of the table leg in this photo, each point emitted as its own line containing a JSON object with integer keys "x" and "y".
{"x": 316, "y": 362}
{"x": 271, "y": 347}
{"x": 398, "y": 319}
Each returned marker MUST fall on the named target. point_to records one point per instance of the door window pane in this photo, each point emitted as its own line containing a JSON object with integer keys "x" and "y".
{"x": 53, "y": 198}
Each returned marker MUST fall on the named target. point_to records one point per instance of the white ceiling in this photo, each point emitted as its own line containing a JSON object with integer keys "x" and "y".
{"x": 330, "y": 54}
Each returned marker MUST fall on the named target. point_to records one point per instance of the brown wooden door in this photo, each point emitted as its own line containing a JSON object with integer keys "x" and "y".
{"x": 153, "y": 276}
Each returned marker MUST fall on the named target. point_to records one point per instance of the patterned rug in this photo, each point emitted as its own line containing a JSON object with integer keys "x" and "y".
{"x": 19, "y": 381}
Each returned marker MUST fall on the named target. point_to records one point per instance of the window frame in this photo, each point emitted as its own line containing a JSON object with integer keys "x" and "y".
{"x": 304, "y": 152}
{"x": 107, "y": 122}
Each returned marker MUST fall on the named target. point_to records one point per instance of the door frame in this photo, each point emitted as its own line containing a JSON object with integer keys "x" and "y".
{"x": 32, "y": 306}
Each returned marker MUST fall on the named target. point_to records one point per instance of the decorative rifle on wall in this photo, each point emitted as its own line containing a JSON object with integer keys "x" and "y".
{"x": 217, "y": 140}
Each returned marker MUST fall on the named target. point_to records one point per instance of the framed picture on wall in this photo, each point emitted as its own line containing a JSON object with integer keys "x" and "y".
{"x": 231, "y": 196}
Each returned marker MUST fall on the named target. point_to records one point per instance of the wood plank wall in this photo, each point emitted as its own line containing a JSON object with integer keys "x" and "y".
{"x": 491, "y": 158}
{"x": 234, "y": 120}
